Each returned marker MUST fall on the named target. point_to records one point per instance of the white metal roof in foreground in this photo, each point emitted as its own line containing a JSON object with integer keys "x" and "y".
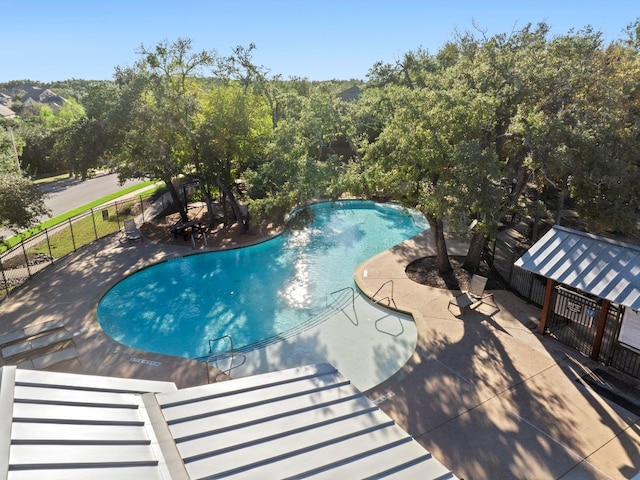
{"x": 596, "y": 265}
{"x": 304, "y": 422}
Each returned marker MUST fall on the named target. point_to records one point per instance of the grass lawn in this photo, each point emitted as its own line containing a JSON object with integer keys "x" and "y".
{"x": 52, "y": 222}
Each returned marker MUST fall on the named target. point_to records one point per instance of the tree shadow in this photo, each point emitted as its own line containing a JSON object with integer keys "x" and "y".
{"x": 488, "y": 396}
{"x": 490, "y": 407}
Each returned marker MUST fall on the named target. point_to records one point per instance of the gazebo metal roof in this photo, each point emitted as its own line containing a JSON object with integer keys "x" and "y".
{"x": 596, "y": 265}
{"x": 302, "y": 422}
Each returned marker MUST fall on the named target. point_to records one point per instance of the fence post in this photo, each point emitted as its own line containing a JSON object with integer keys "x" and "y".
{"x": 93, "y": 220}
{"x": 73, "y": 238}
{"x": 546, "y": 306}
{"x": 46, "y": 235}
{"x": 115, "y": 205}
{"x": 602, "y": 322}
{"x": 26, "y": 257}
{"x": 141, "y": 208}
{"x": 5, "y": 282}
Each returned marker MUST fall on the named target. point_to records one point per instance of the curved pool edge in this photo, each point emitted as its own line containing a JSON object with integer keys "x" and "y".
{"x": 411, "y": 297}
{"x": 176, "y": 252}
{"x": 98, "y": 346}
{"x": 165, "y": 253}
{"x": 120, "y": 302}
{"x": 371, "y": 278}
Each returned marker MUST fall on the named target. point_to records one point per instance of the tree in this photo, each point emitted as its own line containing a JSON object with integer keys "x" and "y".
{"x": 501, "y": 68}
{"x": 84, "y": 144}
{"x": 231, "y": 130}
{"x": 298, "y": 165}
{"x": 429, "y": 156}
{"x": 578, "y": 128}
{"x": 21, "y": 202}
{"x": 162, "y": 94}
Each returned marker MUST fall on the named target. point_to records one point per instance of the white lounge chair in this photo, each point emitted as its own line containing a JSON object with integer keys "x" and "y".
{"x": 473, "y": 297}
{"x": 131, "y": 232}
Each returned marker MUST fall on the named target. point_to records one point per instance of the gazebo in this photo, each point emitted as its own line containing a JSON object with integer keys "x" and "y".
{"x": 592, "y": 296}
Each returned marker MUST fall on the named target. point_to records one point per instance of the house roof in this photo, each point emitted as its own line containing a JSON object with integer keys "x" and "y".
{"x": 41, "y": 95}
{"x": 596, "y": 265}
{"x": 6, "y": 112}
{"x": 299, "y": 422}
{"x": 350, "y": 94}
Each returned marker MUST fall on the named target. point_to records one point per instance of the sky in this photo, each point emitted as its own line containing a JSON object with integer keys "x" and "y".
{"x": 45, "y": 41}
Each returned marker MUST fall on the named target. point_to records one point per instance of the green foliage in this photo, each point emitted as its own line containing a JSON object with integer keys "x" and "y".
{"x": 21, "y": 202}
{"x": 485, "y": 127}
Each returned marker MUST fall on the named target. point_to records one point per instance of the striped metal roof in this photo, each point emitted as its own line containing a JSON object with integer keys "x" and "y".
{"x": 596, "y": 265}
{"x": 304, "y": 422}
{"x": 65, "y": 426}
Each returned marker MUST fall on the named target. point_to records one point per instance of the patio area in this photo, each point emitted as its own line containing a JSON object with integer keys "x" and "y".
{"x": 483, "y": 392}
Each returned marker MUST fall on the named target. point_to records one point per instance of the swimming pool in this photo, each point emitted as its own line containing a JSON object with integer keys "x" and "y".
{"x": 253, "y": 293}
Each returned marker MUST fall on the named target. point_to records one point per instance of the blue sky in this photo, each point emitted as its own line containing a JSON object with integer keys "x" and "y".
{"x": 47, "y": 40}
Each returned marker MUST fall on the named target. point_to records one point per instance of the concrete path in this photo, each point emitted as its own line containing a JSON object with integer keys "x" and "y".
{"x": 492, "y": 399}
{"x": 484, "y": 393}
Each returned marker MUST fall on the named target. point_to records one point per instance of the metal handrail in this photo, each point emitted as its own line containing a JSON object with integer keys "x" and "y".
{"x": 389, "y": 300}
{"x": 353, "y": 296}
{"x": 215, "y": 356}
{"x": 225, "y": 371}
{"x": 381, "y": 287}
{"x": 218, "y": 339}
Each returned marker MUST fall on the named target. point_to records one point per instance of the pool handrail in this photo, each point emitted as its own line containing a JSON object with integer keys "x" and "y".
{"x": 215, "y": 356}
{"x": 378, "y": 291}
{"x": 353, "y": 296}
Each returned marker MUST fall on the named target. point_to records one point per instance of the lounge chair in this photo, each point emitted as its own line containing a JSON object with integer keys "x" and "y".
{"x": 131, "y": 232}
{"x": 473, "y": 297}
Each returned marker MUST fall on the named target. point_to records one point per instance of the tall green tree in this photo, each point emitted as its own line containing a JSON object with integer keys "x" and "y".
{"x": 231, "y": 130}
{"x": 576, "y": 127}
{"x": 162, "y": 92}
{"x": 21, "y": 202}
{"x": 85, "y": 143}
{"x": 298, "y": 165}
{"x": 429, "y": 155}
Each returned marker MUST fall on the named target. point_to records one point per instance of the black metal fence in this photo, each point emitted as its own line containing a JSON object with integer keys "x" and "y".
{"x": 574, "y": 316}
{"x": 501, "y": 256}
{"x": 33, "y": 253}
{"x": 573, "y": 319}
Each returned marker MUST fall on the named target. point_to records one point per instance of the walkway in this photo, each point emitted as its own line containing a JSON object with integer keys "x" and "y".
{"x": 484, "y": 393}
{"x": 492, "y": 399}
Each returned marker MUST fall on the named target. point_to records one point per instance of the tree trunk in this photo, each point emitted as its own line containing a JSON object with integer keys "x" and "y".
{"x": 176, "y": 199}
{"x": 562, "y": 194}
{"x": 474, "y": 254}
{"x": 210, "y": 208}
{"x": 442, "y": 257}
{"x": 228, "y": 194}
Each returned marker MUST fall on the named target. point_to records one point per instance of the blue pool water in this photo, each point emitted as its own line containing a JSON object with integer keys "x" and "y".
{"x": 251, "y": 293}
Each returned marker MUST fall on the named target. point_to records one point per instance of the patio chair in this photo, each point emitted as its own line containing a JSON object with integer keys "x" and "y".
{"x": 131, "y": 232}
{"x": 473, "y": 297}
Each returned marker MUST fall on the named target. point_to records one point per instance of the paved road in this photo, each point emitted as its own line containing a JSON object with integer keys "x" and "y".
{"x": 70, "y": 193}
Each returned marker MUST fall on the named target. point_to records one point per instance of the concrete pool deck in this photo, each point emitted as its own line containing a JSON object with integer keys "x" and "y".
{"x": 484, "y": 393}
